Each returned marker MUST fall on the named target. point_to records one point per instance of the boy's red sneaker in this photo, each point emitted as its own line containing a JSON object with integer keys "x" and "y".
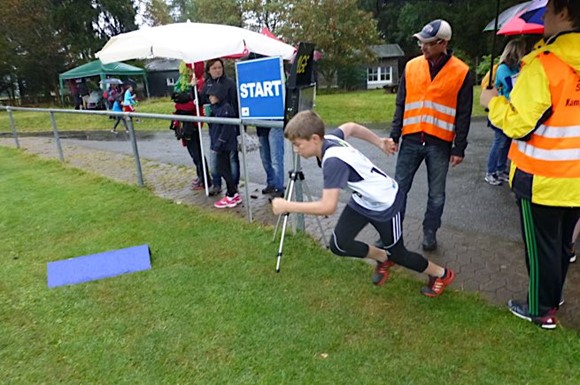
{"x": 437, "y": 285}
{"x": 381, "y": 273}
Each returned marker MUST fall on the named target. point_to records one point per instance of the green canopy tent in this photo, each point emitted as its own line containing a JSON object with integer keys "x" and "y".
{"x": 96, "y": 68}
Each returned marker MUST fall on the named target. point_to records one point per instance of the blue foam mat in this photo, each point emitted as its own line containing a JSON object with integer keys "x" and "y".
{"x": 98, "y": 266}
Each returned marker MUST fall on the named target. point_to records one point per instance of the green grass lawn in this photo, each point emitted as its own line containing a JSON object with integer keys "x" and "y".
{"x": 368, "y": 107}
{"x": 213, "y": 311}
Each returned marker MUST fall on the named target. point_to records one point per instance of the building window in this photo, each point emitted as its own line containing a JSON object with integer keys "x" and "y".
{"x": 380, "y": 74}
{"x": 385, "y": 74}
{"x": 372, "y": 74}
{"x": 170, "y": 81}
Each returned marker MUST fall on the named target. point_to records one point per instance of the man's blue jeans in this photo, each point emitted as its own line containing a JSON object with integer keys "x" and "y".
{"x": 436, "y": 157}
{"x": 272, "y": 154}
{"x": 497, "y": 159}
{"x": 216, "y": 177}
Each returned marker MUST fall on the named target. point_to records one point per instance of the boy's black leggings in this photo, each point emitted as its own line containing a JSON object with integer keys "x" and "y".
{"x": 351, "y": 223}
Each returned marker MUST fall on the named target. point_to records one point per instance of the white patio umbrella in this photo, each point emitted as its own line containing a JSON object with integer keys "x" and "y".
{"x": 191, "y": 42}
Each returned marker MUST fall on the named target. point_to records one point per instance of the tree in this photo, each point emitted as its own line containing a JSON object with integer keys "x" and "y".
{"x": 157, "y": 12}
{"x": 398, "y": 20}
{"x": 227, "y": 12}
{"x": 46, "y": 37}
{"x": 183, "y": 10}
{"x": 85, "y": 26}
{"x": 339, "y": 29}
{"x": 264, "y": 13}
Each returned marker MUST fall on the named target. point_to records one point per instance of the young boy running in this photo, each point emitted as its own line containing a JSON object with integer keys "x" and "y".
{"x": 376, "y": 199}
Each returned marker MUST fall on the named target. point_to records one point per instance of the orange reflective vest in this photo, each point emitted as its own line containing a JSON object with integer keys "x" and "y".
{"x": 553, "y": 149}
{"x": 431, "y": 105}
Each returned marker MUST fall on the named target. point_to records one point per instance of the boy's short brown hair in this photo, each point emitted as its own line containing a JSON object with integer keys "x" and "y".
{"x": 303, "y": 125}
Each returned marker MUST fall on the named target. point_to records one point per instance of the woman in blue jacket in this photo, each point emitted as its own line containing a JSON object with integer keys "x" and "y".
{"x": 507, "y": 72}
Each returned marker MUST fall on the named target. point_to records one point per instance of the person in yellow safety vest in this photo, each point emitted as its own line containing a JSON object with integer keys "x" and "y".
{"x": 543, "y": 118}
{"x": 432, "y": 115}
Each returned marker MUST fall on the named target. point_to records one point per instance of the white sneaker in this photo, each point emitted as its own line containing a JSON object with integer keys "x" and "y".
{"x": 492, "y": 179}
{"x": 503, "y": 176}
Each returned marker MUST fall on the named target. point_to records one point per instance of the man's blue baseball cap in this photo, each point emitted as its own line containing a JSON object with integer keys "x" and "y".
{"x": 435, "y": 30}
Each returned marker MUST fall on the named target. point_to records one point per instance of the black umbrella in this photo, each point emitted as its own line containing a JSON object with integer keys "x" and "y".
{"x": 506, "y": 16}
{"x": 495, "y": 29}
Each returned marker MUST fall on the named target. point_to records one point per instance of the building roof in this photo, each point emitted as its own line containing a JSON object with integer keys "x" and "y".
{"x": 158, "y": 65}
{"x": 387, "y": 50}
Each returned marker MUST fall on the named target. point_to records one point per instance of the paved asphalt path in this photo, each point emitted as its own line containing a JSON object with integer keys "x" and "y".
{"x": 472, "y": 205}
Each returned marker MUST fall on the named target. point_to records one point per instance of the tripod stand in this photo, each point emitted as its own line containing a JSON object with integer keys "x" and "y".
{"x": 295, "y": 175}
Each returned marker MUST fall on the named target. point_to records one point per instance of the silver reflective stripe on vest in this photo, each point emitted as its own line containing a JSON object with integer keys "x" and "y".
{"x": 431, "y": 120}
{"x": 413, "y": 106}
{"x": 548, "y": 155}
{"x": 432, "y": 105}
{"x": 561, "y": 132}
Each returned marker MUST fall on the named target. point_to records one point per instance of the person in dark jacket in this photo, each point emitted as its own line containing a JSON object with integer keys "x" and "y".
{"x": 432, "y": 119}
{"x": 214, "y": 75}
{"x": 224, "y": 141}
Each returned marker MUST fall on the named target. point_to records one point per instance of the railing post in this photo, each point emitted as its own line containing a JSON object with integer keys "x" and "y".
{"x": 56, "y": 137}
{"x": 246, "y": 179}
{"x": 13, "y": 126}
{"x": 135, "y": 150}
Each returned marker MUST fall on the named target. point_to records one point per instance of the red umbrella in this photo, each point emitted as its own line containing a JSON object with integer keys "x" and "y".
{"x": 528, "y": 21}
{"x": 517, "y": 26}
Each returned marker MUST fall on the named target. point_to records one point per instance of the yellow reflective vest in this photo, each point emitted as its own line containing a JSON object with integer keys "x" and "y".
{"x": 431, "y": 105}
{"x": 545, "y": 153}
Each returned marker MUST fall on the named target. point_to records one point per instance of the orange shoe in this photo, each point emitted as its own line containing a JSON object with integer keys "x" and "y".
{"x": 381, "y": 273}
{"x": 437, "y": 285}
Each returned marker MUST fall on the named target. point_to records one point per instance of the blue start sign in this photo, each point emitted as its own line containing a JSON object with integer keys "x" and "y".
{"x": 261, "y": 89}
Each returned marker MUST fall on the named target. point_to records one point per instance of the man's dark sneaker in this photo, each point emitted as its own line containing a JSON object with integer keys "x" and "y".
{"x": 268, "y": 190}
{"x": 520, "y": 309}
{"x": 214, "y": 190}
{"x": 429, "y": 240}
{"x": 437, "y": 285}
{"x": 277, "y": 193}
{"x": 381, "y": 273}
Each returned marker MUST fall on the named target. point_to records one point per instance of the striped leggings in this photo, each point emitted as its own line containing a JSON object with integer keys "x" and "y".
{"x": 547, "y": 232}
{"x": 351, "y": 223}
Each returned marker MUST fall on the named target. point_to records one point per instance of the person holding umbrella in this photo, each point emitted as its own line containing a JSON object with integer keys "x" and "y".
{"x": 542, "y": 117}
{"x": 184, "y": 99}
{"x": 506, "y": 74}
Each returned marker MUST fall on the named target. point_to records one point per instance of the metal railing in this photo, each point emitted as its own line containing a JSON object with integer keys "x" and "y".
{"x": 128, "y": 118}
